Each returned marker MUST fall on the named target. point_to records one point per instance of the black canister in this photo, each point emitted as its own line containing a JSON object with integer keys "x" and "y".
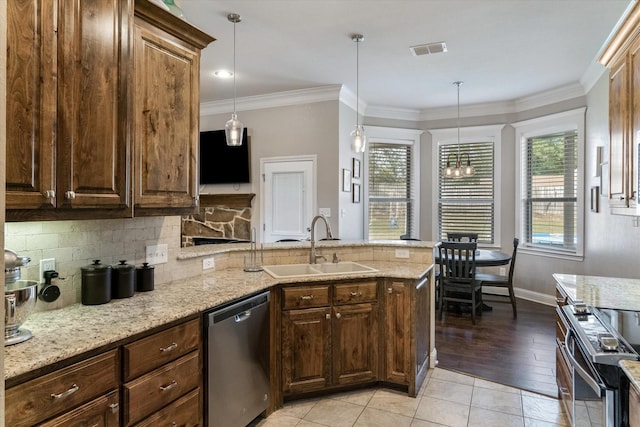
{"x": 123, "y": 280}
{"x": 96, "y": 283}
{"x": 144, "y": 277}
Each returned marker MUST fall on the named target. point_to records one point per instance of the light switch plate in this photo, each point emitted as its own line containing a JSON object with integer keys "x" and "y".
{"x": 157, "y": 254}
{"x": 326, "y": 212}
{"x": 208, "y": 263}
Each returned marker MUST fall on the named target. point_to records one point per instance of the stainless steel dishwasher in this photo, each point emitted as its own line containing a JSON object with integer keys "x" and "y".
{"x": 238, "y": 361}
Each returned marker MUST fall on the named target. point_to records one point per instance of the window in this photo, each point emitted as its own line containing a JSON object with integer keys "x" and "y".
{"x": 392, "y": 175}
{"x": 550, "y": 205}
{"x": 468, "y": 204}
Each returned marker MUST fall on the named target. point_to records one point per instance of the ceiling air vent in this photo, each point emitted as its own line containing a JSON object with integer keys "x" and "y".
{"x": 428, "y": 49}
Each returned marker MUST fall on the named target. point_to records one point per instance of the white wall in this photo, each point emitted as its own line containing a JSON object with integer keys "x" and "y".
{"x": 351, "y": 215}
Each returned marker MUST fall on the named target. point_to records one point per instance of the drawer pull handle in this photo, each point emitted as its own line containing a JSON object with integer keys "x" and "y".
{"x": 173, "y": 346}
{"x": 168, "y": 387}
{"x": 70, "y": 195}
{"x": 355, "y": 294}
{"x": 390, "y": 290}
{"x": 306, "y": 297}
{"x": 69, "y": 392}
{"x": 114, "y": 407}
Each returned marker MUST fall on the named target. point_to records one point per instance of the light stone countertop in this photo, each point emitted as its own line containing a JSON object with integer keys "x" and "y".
{"x": 602, "y": 292}
{"x": 76, "y": 329}
{"x": 632, "y": 369}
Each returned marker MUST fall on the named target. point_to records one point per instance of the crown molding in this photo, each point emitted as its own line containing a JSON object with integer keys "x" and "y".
{"x": 343, "y": 94}
{"x": 273, "y": 100}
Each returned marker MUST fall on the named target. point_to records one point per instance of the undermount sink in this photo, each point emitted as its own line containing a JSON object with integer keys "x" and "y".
{"x": 301, "y": 270}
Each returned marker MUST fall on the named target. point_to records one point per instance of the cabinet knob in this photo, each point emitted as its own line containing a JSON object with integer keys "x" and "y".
{"x": 327, "y": 316}
{"x": 355, "y": 294}
{"x": 70, "y": 195}
{"x": 338, "y": 315}
{"x": 390, "y": 290}
{"x": 50, "y": 194}
{"x": 114, "y": 408}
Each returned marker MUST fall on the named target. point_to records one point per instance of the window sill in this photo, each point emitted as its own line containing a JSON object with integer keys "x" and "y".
{"x": 550, "y": 254}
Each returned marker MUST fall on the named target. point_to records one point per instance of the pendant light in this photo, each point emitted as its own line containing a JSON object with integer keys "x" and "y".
{"x": 459, "y": 171}
{"x": 234, "y": 128}
{"x": 358, "y": 138}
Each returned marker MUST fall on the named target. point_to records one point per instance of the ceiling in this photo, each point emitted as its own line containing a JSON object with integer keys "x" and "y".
{"x": 503, "y": 50}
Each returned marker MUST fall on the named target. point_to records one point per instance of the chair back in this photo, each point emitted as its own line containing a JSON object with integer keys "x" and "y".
{"x": 462, "y": 237}
{"x": 512, "y": 263}
{"x": 457, "y": 261}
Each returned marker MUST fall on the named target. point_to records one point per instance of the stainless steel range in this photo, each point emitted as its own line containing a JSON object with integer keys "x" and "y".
{"x": 593, "y": 348}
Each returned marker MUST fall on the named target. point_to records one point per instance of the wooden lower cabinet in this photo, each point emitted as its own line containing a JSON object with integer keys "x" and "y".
{"x": 634, "y": 406}
{"x": 103, "y": 411}
{"x": 339, "y": 334}
{"x": 184, "y": 412}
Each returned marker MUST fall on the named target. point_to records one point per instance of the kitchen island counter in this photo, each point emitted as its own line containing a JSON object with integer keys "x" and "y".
{"x": 601, "y": 292}
{"x": 71, "y": 331}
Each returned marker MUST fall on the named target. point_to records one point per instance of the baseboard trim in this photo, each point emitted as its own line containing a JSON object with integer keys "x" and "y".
{"x": 522, "y": 293}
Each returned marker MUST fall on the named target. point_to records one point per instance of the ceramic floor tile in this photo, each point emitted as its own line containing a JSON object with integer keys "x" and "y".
{"x": 543, "y": 408}
{"x": 443, "y": 374}
{"x": 334, "y": 413}
{"x": 357, "y": 397}
{"x": 495, "y": 400}
{"x": 479, "y": 382}
{"x": 447, "y": 390}
{"x": 297, "y": 408}
{"x": 394, "y": 401}
{"x": 275, "y": 420}
{"x": 372, "y": 417}
{"x": 305, "y": 423}
{"x": 530, "y": 422}
{"x": 443, "y": 412}
{"x": 422, "y": 423}
{"x": 481, "y": 417}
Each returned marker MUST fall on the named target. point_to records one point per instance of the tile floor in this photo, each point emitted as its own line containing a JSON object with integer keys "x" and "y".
{"x": 447, "y": 398}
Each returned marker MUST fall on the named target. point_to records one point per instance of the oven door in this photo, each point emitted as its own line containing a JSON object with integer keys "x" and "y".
{"x": 593, "y": 402}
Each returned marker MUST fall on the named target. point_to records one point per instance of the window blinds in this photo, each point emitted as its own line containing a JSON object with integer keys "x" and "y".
{"x": 467, "y": 204}
{"x": 391, "y": 191}
{"x": 550, "y": 205}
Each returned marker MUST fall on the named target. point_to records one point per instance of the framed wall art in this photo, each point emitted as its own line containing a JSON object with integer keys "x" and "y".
{"x": 356, "y": 193}
{"x": 346, "y": 180}
{"x": 356, "y": 168}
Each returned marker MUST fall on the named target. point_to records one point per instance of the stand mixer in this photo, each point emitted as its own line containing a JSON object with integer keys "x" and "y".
{"x": 20, "y": 298}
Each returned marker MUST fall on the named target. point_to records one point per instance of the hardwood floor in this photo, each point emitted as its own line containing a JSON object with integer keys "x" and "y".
{"x": 517, "y": 352}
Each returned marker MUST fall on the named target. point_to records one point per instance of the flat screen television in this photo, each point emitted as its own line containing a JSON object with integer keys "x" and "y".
{"x": 222, "y": 164}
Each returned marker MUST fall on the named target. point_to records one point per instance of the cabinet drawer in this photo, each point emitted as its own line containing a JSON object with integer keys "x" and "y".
{"x": 156, "y": 389}
{"x": 59, "y": 391}
{"x": 353, "y": 293}
{"x": 184, "y": 412}
{"x": 149, "y": 353}
{"x": 103, "y": 411}
{"x": 305, "y": 296}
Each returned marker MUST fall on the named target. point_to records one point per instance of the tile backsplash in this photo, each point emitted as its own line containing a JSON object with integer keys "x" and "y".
{"x": 75, "y": 244}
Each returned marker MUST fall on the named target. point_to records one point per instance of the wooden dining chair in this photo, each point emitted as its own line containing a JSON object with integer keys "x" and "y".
{"x": 458, "y": 283}
{"x": 455, "y": 236}
{"x": 500, "y": 281}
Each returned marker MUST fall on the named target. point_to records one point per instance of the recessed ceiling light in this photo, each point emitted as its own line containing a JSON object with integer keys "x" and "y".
{"x": 223, "y": 74}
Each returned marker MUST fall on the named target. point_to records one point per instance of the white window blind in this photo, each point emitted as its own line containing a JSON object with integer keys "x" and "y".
{"x": 467, "y": 204}
{"x": 550, "y": 202}
{"x": 391, "y": 191}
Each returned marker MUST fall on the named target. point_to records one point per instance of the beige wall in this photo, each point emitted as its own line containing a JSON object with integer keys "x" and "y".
{"x": 289, "y": 131}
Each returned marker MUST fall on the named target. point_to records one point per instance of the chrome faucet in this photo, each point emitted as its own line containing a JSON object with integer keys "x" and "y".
{"x": 313, "y": 257}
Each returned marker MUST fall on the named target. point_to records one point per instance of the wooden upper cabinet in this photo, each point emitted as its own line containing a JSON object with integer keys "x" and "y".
{"x": 166, "y": 109}
{"x": 621, "y": 57}
{"x": 31, "y": 104}
{"x": 92, "y": 112}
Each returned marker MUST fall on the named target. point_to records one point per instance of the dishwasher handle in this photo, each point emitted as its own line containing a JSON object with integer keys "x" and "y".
{"x": 241, "y": 317}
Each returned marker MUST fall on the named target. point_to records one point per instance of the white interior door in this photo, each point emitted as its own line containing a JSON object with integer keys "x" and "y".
{"x": 288, "y": 193}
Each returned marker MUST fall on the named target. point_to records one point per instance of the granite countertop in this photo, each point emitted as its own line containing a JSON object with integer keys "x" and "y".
{"x": 632, "y": 369}
{"x": 602, "y": 292}
{"x": 76, "y": 329}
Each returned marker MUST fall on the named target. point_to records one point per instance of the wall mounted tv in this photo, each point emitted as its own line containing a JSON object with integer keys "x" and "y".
{"x": 221, "y": 164}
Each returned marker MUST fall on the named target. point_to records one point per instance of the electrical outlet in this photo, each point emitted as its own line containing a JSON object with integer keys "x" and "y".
{"x": 207, "y": 263}
{"x": 503, "y": 271}
{"x": 46, "y": 265}
{"x": 402, "y": 253}
{"x": 157, "y": 254}
{"x": 325, "y": 211}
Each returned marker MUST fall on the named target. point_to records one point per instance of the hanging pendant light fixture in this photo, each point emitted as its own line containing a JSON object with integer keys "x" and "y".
{"x": 459, "y": 171}
{"x": 234, "y": 128}
{"x": 358, "y": 138}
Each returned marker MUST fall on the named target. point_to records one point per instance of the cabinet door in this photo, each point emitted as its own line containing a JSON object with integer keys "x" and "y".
{"x": 31, "y": 104}
{"x": 634, "y": 406}
{"x": 397, "y": 332}
{"x": 166, "y": 109}
{"x": 634, "y": 132}
{"x": 103, "y": 411}
{"x": 92, "y": 104}
{"x": 306, "y": 350}
{"x": 422, "y": 333}
{"x": 355, "y": 343}
{"x": 618, "y": 129}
